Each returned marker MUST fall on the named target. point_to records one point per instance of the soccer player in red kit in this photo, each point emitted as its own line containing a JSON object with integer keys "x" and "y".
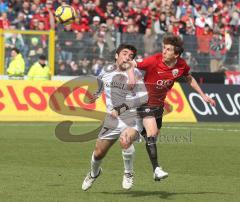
{"x": 161, "y": 71}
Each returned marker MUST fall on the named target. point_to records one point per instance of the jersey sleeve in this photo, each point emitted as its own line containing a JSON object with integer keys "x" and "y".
{"x": 100, "y": 83}
{"x": 186, "y": 70}
{"x": 102, "y": 72}
{"x": 146, "y": 63}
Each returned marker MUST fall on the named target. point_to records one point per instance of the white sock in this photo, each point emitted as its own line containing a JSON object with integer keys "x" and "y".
{"x": 128, "y": 156}
{"x": 95, "y": 166}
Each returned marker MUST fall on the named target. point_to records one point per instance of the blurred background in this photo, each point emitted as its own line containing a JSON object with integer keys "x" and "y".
{"x": 210, "y": 30}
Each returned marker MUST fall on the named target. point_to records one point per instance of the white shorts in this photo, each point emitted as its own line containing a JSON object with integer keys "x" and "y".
{"x": 113, "y": 127}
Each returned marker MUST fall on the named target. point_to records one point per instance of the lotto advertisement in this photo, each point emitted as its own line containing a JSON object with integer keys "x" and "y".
{"x": 58, "y": 100}
{"x": 48, "y": 101}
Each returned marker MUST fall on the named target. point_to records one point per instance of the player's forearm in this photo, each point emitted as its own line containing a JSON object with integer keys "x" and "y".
{"x": 131, "y": 77}
{"x": 193, "y": 83}
{"x": 99, "y": 91}
{"x": 137, "y": 102}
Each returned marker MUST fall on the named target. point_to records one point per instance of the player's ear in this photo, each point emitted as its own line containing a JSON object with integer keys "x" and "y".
{"x": 116, "y": 56}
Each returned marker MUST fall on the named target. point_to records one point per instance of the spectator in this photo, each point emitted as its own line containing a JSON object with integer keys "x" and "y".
{"x": 81, "y": 46}
{"x": 3, "y": 6}
{"x": 80, "y": 25}
{"x": 84, "y": 67}
{"x": 11, "y": 13}
{"x": 160, "y": 26}
{"x": 140, "y": 19}
{"x": 35, "y": 50}
{"x": 149, "y": 39}
{"x": 110, "y": 34}
{"x": 4, "y": 22}
{"x": 66, "y": 42}
{"x": 63, "y": 69}
{"x": 20, "y": 22}
{"x": 182, "y": 9}
{"x": 39, "y": 71}
{"x": 27, "y": 14}
{"x": 203, "y": 41}
{"x": 201, "y": 21}
{"x": 119, "y": 8}
{"x": 97, "y": 66}
{"x": 14, "y": 40}
{"x": 16, "y": 67}
{"x": 109, "y": 11}
{"x": 217, "y": 52}
{"x": 96, "y": 23}
{"x": 100, "y": 48}
{"x": 185, "y": 18}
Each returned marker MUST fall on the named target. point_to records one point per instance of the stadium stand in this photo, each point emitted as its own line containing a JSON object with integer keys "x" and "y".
{"x": 209, "y": 28}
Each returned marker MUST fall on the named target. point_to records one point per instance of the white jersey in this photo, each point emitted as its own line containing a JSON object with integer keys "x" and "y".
{"x": 116, "y": 89}
{"x": 114, "y": 83}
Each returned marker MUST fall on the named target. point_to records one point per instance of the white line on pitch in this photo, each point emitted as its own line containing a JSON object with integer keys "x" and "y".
{"x": 196, "y": 128}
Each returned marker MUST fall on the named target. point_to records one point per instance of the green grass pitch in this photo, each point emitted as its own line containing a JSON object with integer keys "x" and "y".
{"x": 202, "y": 160}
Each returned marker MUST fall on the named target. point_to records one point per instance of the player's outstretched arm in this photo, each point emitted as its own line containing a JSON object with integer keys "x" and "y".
{"x": 98, "y": 92}
{"x": 193, "y": 83}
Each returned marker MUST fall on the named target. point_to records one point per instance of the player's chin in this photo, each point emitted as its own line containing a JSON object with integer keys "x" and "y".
{"x": 124, "y": 66}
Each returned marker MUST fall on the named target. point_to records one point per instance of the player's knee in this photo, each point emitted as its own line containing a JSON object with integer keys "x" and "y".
{"x": 152, "y": 133}
{"x": 125, "y": 142}
{"x": 99, "y": 153}
{"x": 128, "y": 152}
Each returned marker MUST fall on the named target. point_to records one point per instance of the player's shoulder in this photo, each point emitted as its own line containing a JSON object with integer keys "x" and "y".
{"x": 182, "y": 62}
{"x": 107, "y": 69}
{"x": 153, "y": 57}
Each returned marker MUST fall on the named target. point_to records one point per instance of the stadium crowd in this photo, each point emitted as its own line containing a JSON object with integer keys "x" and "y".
{"x": 209, "y": 29}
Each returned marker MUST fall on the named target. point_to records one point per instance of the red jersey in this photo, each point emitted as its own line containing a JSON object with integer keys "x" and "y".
{"x": 159, "y": 78}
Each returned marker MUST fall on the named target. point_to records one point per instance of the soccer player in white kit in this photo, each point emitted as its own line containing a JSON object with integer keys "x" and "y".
{"x": 121, "y": 120}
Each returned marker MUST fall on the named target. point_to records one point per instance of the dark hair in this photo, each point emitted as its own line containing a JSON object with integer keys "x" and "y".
{"x": 127, "y": 46}
{"x": 175, "y": 41}
{"x": 42, "y": 57}
{"x": 16, "y": 50}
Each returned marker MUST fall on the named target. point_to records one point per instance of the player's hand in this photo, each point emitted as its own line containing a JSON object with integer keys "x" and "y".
{"x": 209, "y": 100}
{"x": 93, "y": 98}
{"x": 114, "y": 113}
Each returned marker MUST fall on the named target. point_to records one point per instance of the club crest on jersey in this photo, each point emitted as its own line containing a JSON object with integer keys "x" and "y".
{"x": 175, "y": 72}
{"x": 147, "y": 110}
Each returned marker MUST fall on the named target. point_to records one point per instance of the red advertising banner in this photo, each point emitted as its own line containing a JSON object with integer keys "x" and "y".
{"x": 232, "y": 77}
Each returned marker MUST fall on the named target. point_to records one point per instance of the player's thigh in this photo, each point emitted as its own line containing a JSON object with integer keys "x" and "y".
{"x": 150, "y": 126}
{"x": 102, "y": 146}
{"x": 127, "y": 137}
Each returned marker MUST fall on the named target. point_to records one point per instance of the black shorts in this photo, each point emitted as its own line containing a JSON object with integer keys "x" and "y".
{"x": 157, "y": 112}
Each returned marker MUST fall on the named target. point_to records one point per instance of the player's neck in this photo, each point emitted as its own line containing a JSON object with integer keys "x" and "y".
{"x": 171, "y": 63}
